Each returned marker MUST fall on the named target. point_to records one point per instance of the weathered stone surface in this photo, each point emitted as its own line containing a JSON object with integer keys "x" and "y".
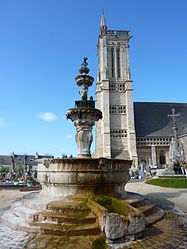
{"x": 63, "y": 177}
{"x": 115, "y": 133}
{"x": 118, "y": 226}
{"x": 84, "y": 119}
{"x": 84, "y": 115}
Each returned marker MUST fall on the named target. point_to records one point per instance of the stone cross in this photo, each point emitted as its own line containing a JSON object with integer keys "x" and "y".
{"x": 174, "y": 117}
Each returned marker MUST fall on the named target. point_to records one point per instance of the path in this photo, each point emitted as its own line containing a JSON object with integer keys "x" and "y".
{"x": 165, "y": 197}
{"x": 11, "y": 239}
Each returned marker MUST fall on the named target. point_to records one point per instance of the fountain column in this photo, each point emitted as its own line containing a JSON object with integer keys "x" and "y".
{"x": 84, "y": 115}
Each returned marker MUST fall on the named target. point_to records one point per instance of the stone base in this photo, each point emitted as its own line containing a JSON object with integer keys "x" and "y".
{"x": 52, "y": 219}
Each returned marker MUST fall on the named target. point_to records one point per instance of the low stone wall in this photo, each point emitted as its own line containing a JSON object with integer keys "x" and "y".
{"x": 116, "y": 226}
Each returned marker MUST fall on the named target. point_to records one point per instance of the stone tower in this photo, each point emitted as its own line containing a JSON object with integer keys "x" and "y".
{"x": 115, "y": 133}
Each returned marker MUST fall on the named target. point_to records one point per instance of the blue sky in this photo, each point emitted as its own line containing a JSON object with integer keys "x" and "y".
{"x": 42, "y": 43}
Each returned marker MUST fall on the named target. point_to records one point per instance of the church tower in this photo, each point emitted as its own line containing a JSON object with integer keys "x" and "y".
{"x": 115, "y": 133}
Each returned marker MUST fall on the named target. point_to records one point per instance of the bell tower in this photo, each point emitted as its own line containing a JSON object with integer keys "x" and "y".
{"x": 115, "y": 133}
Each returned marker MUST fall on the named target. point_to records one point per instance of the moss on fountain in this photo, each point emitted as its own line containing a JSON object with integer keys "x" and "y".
{"x": 113, "y": 205}
{"x": 99, "y": 243}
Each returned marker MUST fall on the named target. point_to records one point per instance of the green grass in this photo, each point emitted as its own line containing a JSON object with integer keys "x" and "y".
{"x": 169, "y": 182}
{"x": 113, "y": 205}
{"x": 99, "y": 243}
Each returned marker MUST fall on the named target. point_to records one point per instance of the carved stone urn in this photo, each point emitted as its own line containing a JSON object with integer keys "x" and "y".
{"x": 84, "y": 115}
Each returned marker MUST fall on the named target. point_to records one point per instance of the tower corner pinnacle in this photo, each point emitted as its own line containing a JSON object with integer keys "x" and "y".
{"x": 103, "y": 27}
{"x": 103, "y": 22}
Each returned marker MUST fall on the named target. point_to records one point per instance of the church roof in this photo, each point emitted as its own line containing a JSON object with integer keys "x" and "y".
{"x": 151, "y": 119}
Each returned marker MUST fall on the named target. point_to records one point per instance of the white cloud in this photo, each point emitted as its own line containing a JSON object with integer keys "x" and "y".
{"x": 2, "y": 122}
{"x": 69, "y": 136}
{"x": 48, "y": 116}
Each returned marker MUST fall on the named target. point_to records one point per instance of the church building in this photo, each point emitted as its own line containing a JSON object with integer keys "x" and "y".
{"x": 140, "y": 131}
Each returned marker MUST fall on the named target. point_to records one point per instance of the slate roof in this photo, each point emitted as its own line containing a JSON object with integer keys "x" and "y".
{"x": 151, "y": 119}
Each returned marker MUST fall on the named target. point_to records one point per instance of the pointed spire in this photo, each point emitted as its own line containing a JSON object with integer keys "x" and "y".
{"x": 103, "y": 22}
{"x": 103, "y": 27}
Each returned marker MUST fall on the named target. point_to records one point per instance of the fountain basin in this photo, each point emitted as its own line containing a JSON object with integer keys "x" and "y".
{"x": 67, "y": 177}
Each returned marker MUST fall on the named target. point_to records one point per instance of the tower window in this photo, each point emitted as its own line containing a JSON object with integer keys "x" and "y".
{"x": 112, "y": 57}
{"x": 118, "y": 62}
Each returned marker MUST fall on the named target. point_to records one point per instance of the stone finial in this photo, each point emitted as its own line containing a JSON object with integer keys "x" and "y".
{"x": 84, "y": 69}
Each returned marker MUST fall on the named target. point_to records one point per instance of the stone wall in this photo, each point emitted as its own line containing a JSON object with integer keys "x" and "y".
{"x": 116, "y": 226}
{"x": 144, "y": 154}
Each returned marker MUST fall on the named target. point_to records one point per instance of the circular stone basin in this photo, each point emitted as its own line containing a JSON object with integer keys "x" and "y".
{"x": 64, "y": 177}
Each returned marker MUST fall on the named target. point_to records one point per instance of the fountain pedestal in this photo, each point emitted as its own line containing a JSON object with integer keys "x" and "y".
{"x": 84, "y": 115}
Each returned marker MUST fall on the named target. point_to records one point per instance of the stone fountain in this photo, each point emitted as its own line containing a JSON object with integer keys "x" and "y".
{"x": 83, "y": 175}
{"x": 66, "y": 207}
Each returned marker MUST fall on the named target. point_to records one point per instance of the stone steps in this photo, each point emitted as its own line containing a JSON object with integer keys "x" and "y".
{"x": 136, "y": 203}
{"x": 70, "y": 217}
{"x": 69, "y": 208}
{"x": 51, "y": 216}
{"x": 71, "y": 230}
{"x": 147, "y": 209}
{"x": 154, "y": 217}
{"x": 152, "y": 213}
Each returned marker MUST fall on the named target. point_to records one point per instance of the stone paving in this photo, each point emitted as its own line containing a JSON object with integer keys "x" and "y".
{"x": 11, "y": 239}
{"x": 164, "y": 197}
{"x": 169, "y": 233}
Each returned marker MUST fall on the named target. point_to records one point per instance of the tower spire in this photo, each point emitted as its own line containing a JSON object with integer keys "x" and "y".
{"x": 103, "y": 22}
{"x": 103, "y": 27}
